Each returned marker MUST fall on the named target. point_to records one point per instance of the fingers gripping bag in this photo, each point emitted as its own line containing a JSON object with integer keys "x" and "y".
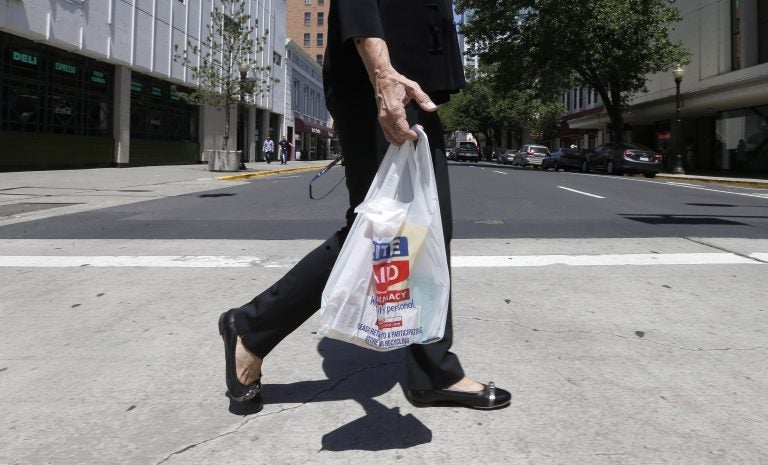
{"x": 390, "y": 285}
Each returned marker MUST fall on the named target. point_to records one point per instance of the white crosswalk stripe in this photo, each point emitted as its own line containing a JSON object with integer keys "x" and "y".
{"x": 462, "y": 261}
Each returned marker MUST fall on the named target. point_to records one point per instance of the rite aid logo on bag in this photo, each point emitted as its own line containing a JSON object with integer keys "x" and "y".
{"x": 391, "y": 266}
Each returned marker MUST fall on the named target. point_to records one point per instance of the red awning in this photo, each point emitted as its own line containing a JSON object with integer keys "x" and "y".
{"x": 302, "y": 126}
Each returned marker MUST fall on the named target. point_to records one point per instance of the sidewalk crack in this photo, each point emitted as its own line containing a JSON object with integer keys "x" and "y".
{"x": 723, "y": 249}
{"x": 287, "y": 409}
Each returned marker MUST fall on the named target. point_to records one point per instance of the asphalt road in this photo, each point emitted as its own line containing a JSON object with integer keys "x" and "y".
{"x": 488, "y": 202}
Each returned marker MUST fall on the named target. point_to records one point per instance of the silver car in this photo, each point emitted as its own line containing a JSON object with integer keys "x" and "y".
{"x": 530, "y": 155}
{"x": 507, "y": 157}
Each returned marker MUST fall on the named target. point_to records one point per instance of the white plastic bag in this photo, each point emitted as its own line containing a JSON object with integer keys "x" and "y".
{"x": 390, "y": 285}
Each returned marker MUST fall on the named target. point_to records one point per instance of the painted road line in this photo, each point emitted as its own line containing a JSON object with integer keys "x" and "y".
{"x": 690, "y": 186}
{"x": 212, "y": 261}
{"x": 180, "y": 261}
{"x": 580, "y": 192}
{"x": 601, "y": 260}
{"x": 500, "y": 172}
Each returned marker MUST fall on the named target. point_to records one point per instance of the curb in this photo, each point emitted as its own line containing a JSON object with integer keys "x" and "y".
{"x": 727, "y": 182}
{"x": 237, "y": 177}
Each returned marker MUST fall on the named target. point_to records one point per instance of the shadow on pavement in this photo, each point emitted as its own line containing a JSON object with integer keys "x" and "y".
{"x": 358, "y": 374}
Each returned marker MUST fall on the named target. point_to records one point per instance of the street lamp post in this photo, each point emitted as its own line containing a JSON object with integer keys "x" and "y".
{"x": 678, "y": 74}
{"x": 244, "y": 110}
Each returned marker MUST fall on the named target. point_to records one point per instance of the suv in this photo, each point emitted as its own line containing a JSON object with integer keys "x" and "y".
{"x": 530, "y": 155}
{"x": 467, "y": 151}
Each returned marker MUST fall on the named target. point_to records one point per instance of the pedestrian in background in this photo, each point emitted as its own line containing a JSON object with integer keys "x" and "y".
{"x": 284, "y": 146}
{"x": 268, "y": 148}
{"x": 375, "y": 90}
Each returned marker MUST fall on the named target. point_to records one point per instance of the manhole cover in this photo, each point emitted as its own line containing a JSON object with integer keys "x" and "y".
{"x": 17, "y": 208}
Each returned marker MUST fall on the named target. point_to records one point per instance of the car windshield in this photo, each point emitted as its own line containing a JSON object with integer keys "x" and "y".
{"x": 536, "y": 149}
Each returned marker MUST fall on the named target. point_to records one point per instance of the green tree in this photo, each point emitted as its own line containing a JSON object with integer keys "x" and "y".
{"x": 489, "y": 105}
{"x": 607, "y": 45}
{"x": 228, "y": 51}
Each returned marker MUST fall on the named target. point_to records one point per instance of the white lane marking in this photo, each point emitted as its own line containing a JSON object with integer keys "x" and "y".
{"x": 691, "y": 186}
{"x": 601, "y": 260}
{"x": 470, "y": 261}
{"x": 500, "y": 172}
{"x": 580, "y": 192}
{"x": 180, "y": 261}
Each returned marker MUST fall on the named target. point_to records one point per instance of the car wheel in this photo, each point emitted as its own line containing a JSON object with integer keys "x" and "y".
{"x": 649, "y": 175}
{"x": 610, "y": 168}
{"x": 584, "y": 167}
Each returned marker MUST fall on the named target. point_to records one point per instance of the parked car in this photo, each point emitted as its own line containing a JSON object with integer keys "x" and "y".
{"x": 468, "y": 151}
{"x": 624, "y": 157}
{"x": 507, "y": 156}
{"x": 566, "y": 159}
{"x": 530, "y": 155}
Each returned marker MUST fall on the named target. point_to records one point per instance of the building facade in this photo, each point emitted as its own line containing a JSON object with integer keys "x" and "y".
{"x": 85, "y": 83}
{"x": 313, "y": 135}
{"x": 307, "y": 25}
{"x": 724, "y": 92}
{"x": 307, "y": 29}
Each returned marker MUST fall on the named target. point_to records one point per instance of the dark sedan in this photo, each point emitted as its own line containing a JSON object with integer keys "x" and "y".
{"x": 565, "y": 159}
{"x": 623, "y": 157}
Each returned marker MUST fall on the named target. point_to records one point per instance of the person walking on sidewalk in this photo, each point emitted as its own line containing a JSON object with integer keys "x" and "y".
{"x": 284, "y": 145}
{"x": 387, "y": 64}
{"x": 268, "y": 148}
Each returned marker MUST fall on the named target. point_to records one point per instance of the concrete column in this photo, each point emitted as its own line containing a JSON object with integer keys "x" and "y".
{"x": 265, "y": 122}
{"x": 121, "y": 115}
{"x": 251, "y": 153}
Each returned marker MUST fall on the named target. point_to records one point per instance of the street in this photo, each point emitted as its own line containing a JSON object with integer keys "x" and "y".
{"x": 627, "y": 317}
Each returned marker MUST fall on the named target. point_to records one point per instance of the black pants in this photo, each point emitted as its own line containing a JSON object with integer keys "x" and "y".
{"x": 282, "y": 308}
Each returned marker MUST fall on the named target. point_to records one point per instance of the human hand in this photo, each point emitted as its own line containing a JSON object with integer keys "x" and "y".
{"x": 393, "y": 92}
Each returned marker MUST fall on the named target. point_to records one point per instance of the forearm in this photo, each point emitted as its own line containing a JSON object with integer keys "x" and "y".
{"x": 375, "y": 55}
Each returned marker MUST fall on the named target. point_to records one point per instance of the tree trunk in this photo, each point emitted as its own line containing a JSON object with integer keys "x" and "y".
{"x": 226, "y": 125}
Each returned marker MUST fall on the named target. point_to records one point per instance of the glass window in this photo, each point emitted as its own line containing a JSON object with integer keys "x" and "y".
{"x": 157, "y": 112}
{"x": 307, "y": 2}
{"x": 742, "y": 139}
{"x": 319, "y": 59}
{"x": 319, "y": 39}
{"x": 307, "y": 40}
{"x": 320, "y": 18}
{"x": 321, "y": 2}
{"x": 46, "y": 90}
{"x": 307, "y": 19}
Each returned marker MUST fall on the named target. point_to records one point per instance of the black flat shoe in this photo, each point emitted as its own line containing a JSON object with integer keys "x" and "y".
{"x": 489, "y": 398}
{"x": 238, "y": 392}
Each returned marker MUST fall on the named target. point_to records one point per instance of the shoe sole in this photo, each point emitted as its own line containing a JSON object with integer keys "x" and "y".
{"x": 448, "y": 403}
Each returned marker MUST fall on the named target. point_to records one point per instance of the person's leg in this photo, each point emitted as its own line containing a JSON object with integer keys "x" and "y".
{"x": 434, "y": 366}
{"x": 278, "y": 311}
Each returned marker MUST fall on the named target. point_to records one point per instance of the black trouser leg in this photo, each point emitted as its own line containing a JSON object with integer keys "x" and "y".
{"x": 282, "y": 308}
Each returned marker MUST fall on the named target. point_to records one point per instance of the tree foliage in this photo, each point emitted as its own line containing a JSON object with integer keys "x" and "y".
{"x": 608, "y": 45}
{"x": 490, "y": 106}
{"x": 215, "y": 63}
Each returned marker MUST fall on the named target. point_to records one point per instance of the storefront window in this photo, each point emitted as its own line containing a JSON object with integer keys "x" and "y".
{"x": 47, "y": 90}
{"x": 742, "y": 139}
{"x": 157, "y": 112}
